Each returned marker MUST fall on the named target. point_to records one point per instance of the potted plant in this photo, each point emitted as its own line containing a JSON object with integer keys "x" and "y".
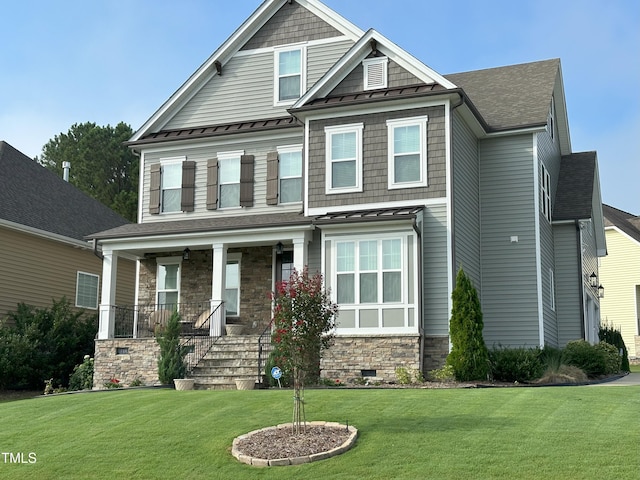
{"x": 172, "y": 368}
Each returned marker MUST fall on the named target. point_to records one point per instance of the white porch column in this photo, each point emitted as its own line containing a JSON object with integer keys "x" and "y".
{"x": 299, "y": 253}
{"x": 108, "y": 298}
{"x": 217, "y": 286}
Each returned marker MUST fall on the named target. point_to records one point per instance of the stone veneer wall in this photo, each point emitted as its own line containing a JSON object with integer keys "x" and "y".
{"x": 256, "y": 272}
{"x": 140, "y": 362}
{"x": 436, "y": 349}
{"x": 196, "y": 277}
{"x": 383, "y": 353}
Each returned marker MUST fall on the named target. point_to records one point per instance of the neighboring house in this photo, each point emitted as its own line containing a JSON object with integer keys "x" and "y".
{"x": 620, "y": 275}
{"x": 304, "y": 140}
{"x": 43, "y": 224}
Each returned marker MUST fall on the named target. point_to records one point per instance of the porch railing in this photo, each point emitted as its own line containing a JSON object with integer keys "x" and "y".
{"x": 142, "y": 321}
{"x": 265, "y": 347}
{"x": 197, "y": 345}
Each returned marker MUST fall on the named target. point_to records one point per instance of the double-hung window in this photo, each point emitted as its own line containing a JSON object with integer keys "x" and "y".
{"x": 87, "y": 290}
{"x": 290, "y": 173}
{"x": 407, "y": 147}
{"x": 229, "y": 179}
{"x": 168, "y": 283}
{"x": 344, "y": 158}
{"x": 171, "y": 188}
{"x": 546, "y": 194}
{"x": 289, "y": 69}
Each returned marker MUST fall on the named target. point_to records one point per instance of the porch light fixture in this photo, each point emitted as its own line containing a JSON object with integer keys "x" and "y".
{"x": 593, "y": 280}
{"x": 186, "y": 253}
{"x": 279, "y": 248}
{"x": 600, "y": 291}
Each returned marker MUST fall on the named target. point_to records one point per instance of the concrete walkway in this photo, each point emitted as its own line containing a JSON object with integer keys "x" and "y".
{"x": 630, "y": 379}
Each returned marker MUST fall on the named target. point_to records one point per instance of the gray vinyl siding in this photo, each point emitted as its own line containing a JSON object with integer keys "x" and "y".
{"x": 201, "y": 155}
{"x": 549, "y": 155}
{"x": 509, "y": 273}
{"x": 244, "y": 91}
{"x": 375, "y": 160}
{"x": 49, "y": 272}
{"x": 435, "y": 271}
{"x": 568, "y": 283}
{"x": 466, "y": 200}
{"x": 314, "y": 254}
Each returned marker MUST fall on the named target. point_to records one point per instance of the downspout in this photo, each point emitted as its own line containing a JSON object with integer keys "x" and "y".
{"x": 414, "y": 224}
{"x": 581, "y": 286}
{"x": 96, "y": 251}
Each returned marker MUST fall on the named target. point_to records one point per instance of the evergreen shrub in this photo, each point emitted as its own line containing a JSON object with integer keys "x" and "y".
{"x": 583, "y": 355}
{"x": 613, "y": 336}
{"x": 516, "y": 364}
{"x": 469, "y": 356}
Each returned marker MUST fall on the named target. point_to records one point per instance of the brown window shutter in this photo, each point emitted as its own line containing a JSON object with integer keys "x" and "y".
{"x": 246, "y": 180}
{"x": 212, "y": 184}
{"x": 188, "y": 185}
{"x": 154, "y": 189}
{"x": 272, "y": 178}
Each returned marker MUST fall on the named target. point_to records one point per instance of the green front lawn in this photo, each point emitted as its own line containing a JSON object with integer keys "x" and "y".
{"x": 635, "y": 368}
{"x": 548, "y": 432}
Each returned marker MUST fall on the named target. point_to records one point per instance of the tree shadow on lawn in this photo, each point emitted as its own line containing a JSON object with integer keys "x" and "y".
{"x": 13, "y": 395}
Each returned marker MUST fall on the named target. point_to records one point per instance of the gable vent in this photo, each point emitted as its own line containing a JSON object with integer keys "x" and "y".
{"x": 375, "y": 73}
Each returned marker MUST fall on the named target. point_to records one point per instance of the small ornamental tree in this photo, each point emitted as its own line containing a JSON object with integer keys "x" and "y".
{"x": 469, "y": 356}
{"x": 171, "y": 363}
{"x": 303, "y": 324}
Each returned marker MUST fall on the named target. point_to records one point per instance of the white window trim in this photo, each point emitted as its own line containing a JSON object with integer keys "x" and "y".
{"x": 366, "y": 63}
{"x": 290, "y": 149}
{"x": 229, "y": 156}
{"x": 546, "y": 194}
{"x": 276, "y": 73}
{"x": 329, "y": 132}
{"x": 551, "y": 120}
{"x": 163, "y": 163}
{"x": 405, "y": 122}
{"x": 403, "y": 304}
{"x": 78, "y": 273}
{"x": 169, "y": 261}
{"x": 235, "y": 257}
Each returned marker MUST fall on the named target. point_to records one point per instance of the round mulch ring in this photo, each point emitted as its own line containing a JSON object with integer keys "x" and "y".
{"x": 277, "y": 446}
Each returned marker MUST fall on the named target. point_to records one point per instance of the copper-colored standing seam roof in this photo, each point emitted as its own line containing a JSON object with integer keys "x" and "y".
{"x": 374, "y": 95}
{"x": 216, "y": 130}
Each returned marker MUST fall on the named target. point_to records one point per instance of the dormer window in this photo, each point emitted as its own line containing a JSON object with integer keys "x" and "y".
{"x": 375, "y": 73}
{"x": 289, "y": 71}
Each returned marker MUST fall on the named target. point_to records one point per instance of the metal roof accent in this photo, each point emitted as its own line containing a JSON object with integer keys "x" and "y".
{"x": 378, "y": 214}
{"x": 217, "y": 130}
{"x": 374, "y": 95}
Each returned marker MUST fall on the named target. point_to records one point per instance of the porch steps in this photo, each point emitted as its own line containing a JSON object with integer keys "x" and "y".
{"x": 230, "y": 358}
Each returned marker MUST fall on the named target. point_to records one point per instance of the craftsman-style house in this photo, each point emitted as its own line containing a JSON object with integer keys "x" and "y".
{"x": 305, "y": 141}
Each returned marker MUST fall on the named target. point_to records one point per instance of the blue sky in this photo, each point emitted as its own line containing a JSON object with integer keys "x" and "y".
{"x": 108, "y": 61}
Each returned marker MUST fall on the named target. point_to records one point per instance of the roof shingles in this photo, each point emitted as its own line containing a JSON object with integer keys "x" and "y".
{"x": 32, "y": 196}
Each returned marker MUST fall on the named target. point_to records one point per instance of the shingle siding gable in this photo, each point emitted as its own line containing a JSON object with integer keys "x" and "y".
{"x": 291, "y": 24}
{"x": 354, "y": 81}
